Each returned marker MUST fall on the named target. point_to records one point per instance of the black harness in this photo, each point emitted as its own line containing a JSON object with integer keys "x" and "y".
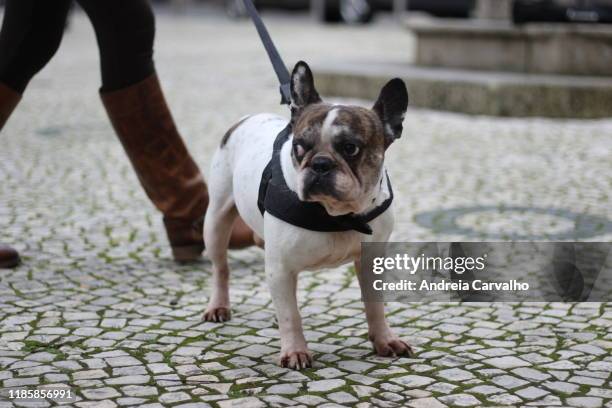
{"x": 276, "y": 198}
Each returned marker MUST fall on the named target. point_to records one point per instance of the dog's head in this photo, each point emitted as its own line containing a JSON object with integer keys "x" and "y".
{"x": 338, "y": 150}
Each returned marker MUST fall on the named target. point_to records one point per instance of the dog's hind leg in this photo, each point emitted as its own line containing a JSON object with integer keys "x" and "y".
{"x": 220, "y": 218}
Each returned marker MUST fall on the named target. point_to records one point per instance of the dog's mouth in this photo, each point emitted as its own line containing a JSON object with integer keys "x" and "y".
{"x": 316, "y": 187}
{"x": 329, "y": 198}
{"x": 333, "y": 206}
{"x": 322, "y": 189}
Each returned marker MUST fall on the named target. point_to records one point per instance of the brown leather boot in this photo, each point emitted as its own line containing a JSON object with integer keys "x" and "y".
{"x": 9, "y": 258}
{"x": 164, "y": 167}
{"x": 8, "y": 100}
{"x": 243, "y": 236}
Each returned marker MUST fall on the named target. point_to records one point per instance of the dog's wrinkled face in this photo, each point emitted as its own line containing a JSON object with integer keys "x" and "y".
{"x": 338, "y": 151}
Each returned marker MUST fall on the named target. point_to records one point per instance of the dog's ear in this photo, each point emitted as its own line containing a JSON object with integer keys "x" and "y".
{"x": 391, "y": 108}
{"x": 303, "y": 92}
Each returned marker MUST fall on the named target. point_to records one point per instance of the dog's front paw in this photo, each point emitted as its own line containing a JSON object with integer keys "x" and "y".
{"x": 296, "y": 359}
{"x": 217, "y": 314}
{"x": 389, "y": 345}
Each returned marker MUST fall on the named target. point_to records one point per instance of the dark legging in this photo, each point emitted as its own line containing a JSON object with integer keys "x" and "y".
{"x": 32, "y": 31}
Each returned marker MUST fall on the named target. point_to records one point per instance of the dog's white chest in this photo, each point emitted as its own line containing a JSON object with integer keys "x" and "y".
{"x": 302, "y": 249}
{"x": 336, "y": 249}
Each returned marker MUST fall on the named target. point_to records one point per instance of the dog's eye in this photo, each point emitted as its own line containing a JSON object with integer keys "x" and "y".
{"x": 350, "y": 149}
{"x": 299, "y": 150}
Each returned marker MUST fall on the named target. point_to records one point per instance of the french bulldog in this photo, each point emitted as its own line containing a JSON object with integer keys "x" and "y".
{"x": 335, "y": 157}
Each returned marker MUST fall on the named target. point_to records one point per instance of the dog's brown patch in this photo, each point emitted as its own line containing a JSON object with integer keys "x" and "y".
{"x": 231, "y": 130}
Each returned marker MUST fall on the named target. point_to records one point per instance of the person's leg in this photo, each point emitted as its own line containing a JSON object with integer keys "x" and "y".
{"x": 31, "y": 34}
{"x": 136, "y": 106}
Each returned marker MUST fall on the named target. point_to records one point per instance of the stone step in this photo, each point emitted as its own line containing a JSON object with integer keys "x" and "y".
{"x": 571, "y": 49}
{"x": 474, "y": 92}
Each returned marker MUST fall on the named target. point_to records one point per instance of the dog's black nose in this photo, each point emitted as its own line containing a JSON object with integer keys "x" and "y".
{"x": 322, "y": 164}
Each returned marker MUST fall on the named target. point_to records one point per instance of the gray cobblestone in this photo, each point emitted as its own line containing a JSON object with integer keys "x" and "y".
{"x": 460, "y": 400}
{"x": 100, "y": 393}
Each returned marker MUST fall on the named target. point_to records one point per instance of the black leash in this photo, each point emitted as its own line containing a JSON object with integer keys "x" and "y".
{"x": 277, "y": 62}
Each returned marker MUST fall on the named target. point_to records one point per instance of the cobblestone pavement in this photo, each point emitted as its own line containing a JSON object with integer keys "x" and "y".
{"x": 98, "y": 305}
